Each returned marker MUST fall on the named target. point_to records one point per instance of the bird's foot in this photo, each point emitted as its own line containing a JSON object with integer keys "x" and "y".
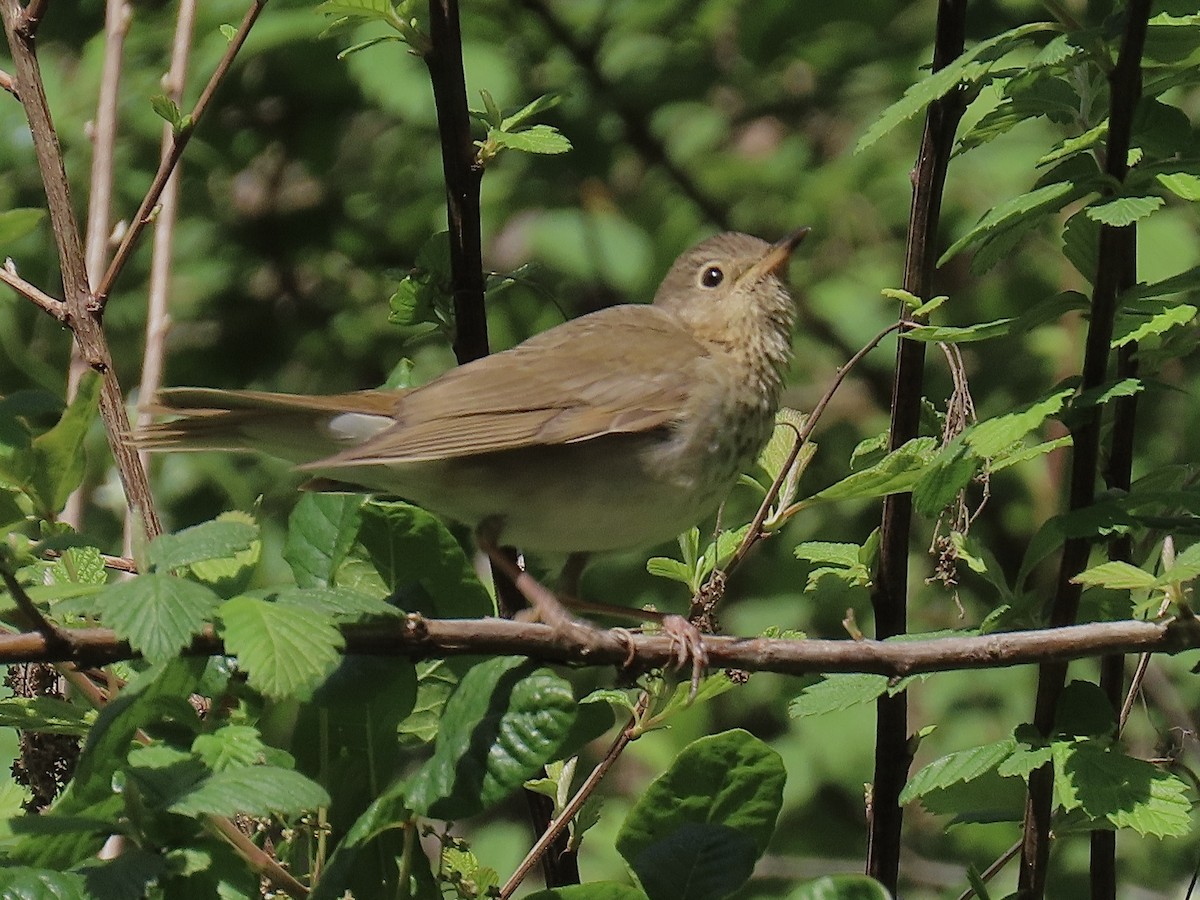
{"x": 688, "y": 644}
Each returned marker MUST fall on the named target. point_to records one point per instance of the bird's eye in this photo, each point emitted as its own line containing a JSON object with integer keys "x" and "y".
{"x": 712, "y": 276}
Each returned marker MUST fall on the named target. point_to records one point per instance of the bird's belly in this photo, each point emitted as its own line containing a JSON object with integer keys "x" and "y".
{"x": 611, "y": 493}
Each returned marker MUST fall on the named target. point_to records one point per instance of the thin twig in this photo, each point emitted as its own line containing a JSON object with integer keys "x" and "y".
{"x": 115, "y": 563}
{"x": 261, "y": 861}
{"x": 157, "y": 318}
{"x": 627, "y": 735}
{"x": 755, "y": 533}
{"x": 990, "y": 872}
{"x": 463, "y": 176}
{"x": 7, "y": 84}
{"x": 53, "y": 634}
{"x": 889, "y": 596}
{"x": 32, "y": 17}
{"x": 40, "y": 298}
{"x": 82, "y": 315}
{"x": 142, "y": 217}
{"x": 1114, "y": 264}
{"x": 117, "y": 16}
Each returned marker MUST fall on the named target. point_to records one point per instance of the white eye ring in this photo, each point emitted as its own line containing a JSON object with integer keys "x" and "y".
{"x": 711, "y": 276}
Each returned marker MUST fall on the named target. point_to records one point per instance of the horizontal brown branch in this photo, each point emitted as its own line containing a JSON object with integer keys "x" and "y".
{"x": 419, "y": 638}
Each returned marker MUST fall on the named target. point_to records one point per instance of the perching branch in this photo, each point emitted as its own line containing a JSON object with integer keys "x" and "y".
{"x": 7, "y": 84}
{"x": 142, "y": 217}
{"x": 1113, "y": 269}
{"x": 889, "y": 598}
{"x": 463, "y": 175}
{"x": 419, "y": 638}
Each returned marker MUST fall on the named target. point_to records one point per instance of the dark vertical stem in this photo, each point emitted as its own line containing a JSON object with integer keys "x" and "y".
{"x": 1117, "y": 263}
{"x": 463, "y": 175}
{"x": 889, "y": 600}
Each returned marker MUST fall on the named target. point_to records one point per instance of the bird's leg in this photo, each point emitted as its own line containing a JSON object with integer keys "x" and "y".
{"x": 686, "y": 638}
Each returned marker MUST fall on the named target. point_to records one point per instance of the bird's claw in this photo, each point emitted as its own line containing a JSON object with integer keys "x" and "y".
{"x": 687, "y": 643}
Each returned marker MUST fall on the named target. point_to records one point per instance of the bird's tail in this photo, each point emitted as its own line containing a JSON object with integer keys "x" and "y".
{"x": 294, "y": 427}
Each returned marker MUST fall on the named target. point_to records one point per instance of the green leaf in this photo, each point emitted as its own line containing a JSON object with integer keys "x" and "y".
{"x": 964, "y": 765}
{"x": 321, "y": 531}
{"x": 1081, "y": 241}
{"x": 968, "y": 68}
{"x": 703, "y": 823}
{"x": 506, "y": 720}
{"x": 949, "y": 334}
{"x": 168, "y": 110}
{"x": 1117, "y": 576}
{"x": 1184, "y": 282}
{"x": 229, "y": 575}
{"x": 230, "y": 747}
{"x": 158, "y": 614}
{"x": 536, "y": 139}
{"x": 836, "y": 692}
{"x": 1124, "y": 210}
{"x": 665, "y": 567}
{"x": 378, "y": 10}
{"x": 340, "y": 604}
{"x": 208, "y": 541}
{"x": 54, "y": 464}
{"x": 411, "y": 547}
{"x": 286, "y": 650}
{"x": 1157, "y": 324}
{"x": 492, "y": 114}
{"x": 1182, "y": 184}
{"x": 941, "y": 483}
{"x": 529, "y": 110}
{"x": 840, "y": 887}
{"x": 139, "y": 703}
{"x": 252, "y": 791}
{"x": 48, "y": 715}
{"x": 16, "y": 223}
{"x": 896, "y": 472}
{"x": 1127, "y": 792}
{"x": 1017, "y": 212}
{"x": 26, "y": 883}
{"x": 992, "y": 436}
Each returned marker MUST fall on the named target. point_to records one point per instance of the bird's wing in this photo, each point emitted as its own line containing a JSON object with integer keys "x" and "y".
{"x": 620, "y": 370}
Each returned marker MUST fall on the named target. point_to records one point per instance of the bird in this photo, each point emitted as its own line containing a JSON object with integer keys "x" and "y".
{"x": 616, "y": 430}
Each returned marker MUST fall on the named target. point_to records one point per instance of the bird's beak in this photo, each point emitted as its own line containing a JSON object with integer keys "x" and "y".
{"x": 777, "y": 257}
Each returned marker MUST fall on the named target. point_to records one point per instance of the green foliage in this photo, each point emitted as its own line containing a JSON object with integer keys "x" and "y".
{"x": 313, "y": 209}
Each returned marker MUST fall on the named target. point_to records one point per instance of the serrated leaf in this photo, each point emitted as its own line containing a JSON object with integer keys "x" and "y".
{"x": 967, "y": 68}
{"x": 1024, "y": 454}
{"x": 230, "y": 747}
{"x": 1081, "y": 241}
{"x": 53, "y": 466}
{"x": 28, "y": 883}
{"x": 950, "y": 334}
{"x": 990, "y": 437}
{"x": 287, "y": 651}
{"x": 504, "y": 722}
{"x": 837, "y": 692}
{"x": 341, "y": 604}
{"x": 673, "y": 569}
{"x": 896, "y": 472}
{"x": 158, "y": 614}
{"x": 1157, "y": 324}
{"x": 411, "y": 547}
{"x": 80, "y": 565}
{"x": 941, "y": 483}
{"x": 1017, "y": 211}
{"x": 229, "y": 574}
{"x": 321, "y": 531}
{"x": 1184, "y": 185}
{"x": 363, "y": 9}
{"x": 541, "y": 139}
{"x": 1124, "y": 210}
{"x": 1185, "y": 281}
{"x": 722, "y": 793}
{"x": 48, "y": 715}
{"x": 1115, "y": 575}
{"x": 1129, "y": 793}
{"x": 963, "y": 765}
{"x": 252, "y": 791}
{"x": 828, "y": 553}
{"x": 529, "y": 110}
{"x": 16, "y": 223}
{"x": 167, "y": 110}
{"x": 207, "y": 541}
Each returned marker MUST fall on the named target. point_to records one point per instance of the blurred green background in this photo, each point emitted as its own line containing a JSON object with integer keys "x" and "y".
{"x": 314, "y": 182}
